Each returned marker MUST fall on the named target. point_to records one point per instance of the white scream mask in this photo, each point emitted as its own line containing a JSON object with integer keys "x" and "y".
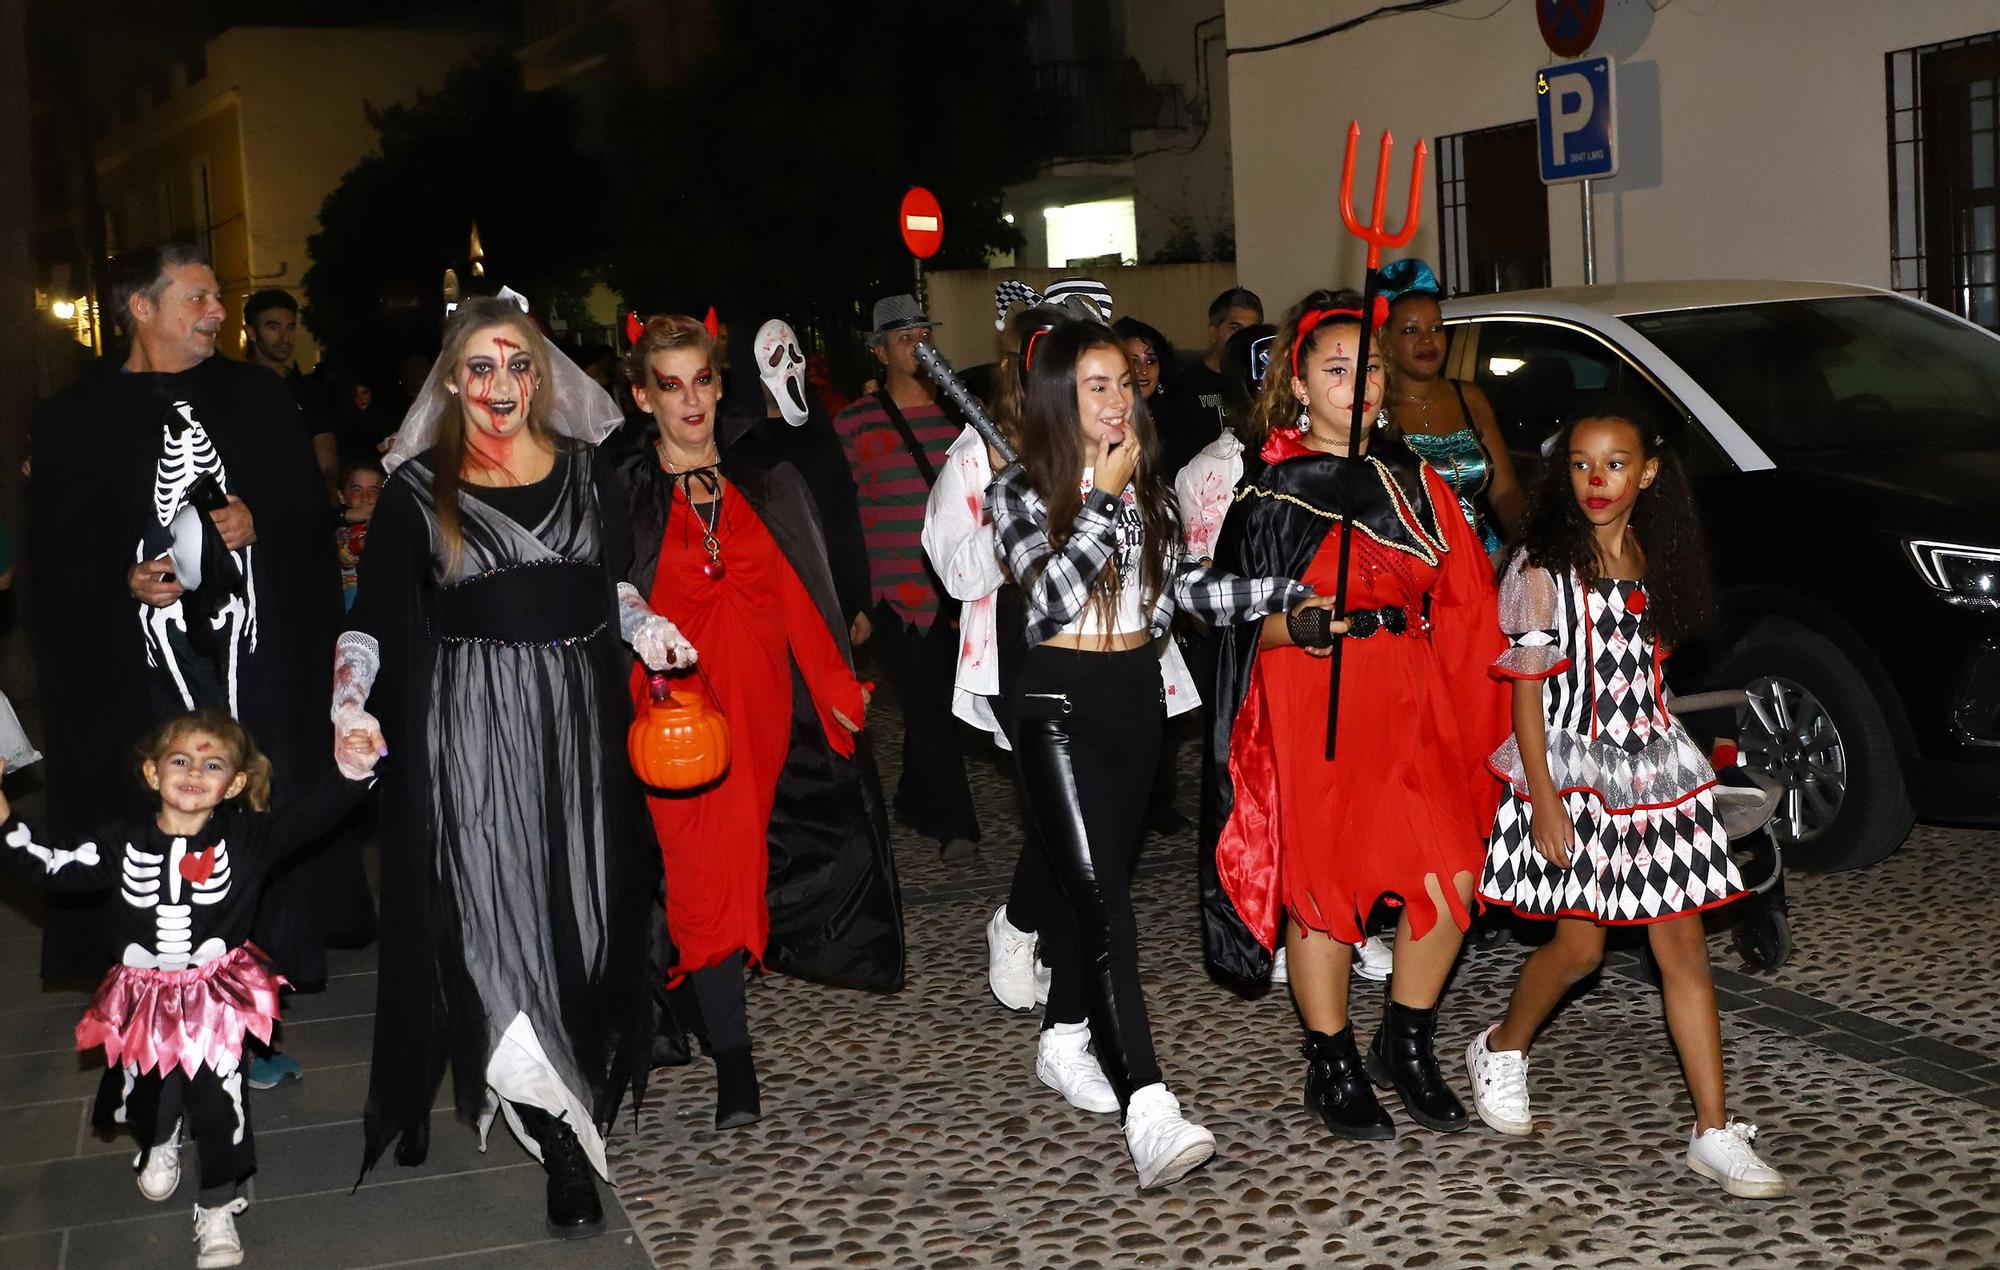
{"x": 782, "y": 367}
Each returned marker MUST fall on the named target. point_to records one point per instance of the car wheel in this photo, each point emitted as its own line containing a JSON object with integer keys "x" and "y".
{"x": 1812, "y": 724}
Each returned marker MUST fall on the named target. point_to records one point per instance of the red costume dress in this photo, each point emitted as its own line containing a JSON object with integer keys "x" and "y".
{"x": 749, "y": 626}
{"x": 1408, "y": 795}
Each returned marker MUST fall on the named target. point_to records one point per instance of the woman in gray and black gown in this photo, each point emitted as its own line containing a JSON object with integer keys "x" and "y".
{"x": 516, "y": 862}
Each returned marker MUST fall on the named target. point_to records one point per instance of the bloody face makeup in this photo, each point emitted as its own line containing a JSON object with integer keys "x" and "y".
{"x": 1325, "y": 383}
{"x": 681, "y": 392}
{"x": 1104, "y": 395}
{"x": 1607, "y": 469}
{"x": 1145, "y": 366}
{"x": 1415, "y": 338}
{"x": 496, "y": 381}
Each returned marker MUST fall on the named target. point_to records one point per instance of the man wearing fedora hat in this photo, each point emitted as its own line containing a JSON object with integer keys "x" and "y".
{"x": 896, "y": 440}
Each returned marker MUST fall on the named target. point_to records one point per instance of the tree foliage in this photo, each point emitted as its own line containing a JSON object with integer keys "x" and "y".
{"x": 766, "y": 179}
{"x": 479, "y": 149}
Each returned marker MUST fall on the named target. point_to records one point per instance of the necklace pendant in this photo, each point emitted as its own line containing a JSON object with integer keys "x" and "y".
{"x": 712, "y": 569}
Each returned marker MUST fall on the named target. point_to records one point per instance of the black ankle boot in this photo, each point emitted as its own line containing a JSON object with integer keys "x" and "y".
{"x": 1337, "y": 1091}
{"x": 1401, "y": 1059}
{"x": 574, "y": 1209}
{"x": 737, "y": 1101}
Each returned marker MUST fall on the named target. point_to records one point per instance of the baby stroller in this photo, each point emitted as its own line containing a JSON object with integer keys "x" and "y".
{"x": 1746, "y": 801}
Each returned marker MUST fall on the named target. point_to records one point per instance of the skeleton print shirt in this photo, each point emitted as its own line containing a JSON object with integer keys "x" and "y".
{"x": 183, "y": 901}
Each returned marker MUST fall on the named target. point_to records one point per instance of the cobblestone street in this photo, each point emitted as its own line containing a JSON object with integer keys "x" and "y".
{"x": 910, "y": 1130}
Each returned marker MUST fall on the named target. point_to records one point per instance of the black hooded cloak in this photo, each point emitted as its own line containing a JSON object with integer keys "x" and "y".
{"x": 836, "y": 908}
{"x": 104, "y": 479}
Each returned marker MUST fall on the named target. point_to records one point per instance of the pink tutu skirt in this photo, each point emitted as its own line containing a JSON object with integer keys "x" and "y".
{"x": 156, "y": 1020}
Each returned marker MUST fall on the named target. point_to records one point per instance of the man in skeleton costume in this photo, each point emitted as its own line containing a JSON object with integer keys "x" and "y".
{"x": 179, "y": 558}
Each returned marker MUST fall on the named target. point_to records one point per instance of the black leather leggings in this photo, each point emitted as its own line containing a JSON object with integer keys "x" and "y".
{"x": 1087, "y": 734}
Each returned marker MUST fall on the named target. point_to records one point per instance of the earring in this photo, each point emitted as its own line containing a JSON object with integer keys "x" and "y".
{"x": 1305, "y": 421}
{"x": 1381, "y": 418}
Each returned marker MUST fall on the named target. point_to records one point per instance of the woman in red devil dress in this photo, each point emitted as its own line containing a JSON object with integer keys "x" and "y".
{"x": 727, "y": 548}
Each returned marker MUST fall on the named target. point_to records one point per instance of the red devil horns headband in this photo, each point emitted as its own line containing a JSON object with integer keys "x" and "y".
{"x": 1310, "y": 320}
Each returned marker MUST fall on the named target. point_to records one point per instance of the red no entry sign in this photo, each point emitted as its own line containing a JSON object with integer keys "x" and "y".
{"x": 1569, "y": 26}
{"x": 922, "y": 222}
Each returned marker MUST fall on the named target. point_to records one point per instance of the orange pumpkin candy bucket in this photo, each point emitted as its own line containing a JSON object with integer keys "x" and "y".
{"x": 680, "y": 740}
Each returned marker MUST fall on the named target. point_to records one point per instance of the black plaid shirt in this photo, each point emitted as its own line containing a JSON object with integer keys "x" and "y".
{"x": 1061, "y": 590}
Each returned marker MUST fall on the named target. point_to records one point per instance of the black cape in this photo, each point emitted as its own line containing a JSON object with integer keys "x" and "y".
{"x": 1279, "y": 519}
{"x": 835, "y": 905}
{"x": 90, "y": 501}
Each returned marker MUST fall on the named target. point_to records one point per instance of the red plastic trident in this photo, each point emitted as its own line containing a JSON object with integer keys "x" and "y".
{"x": 1376, "y": 234}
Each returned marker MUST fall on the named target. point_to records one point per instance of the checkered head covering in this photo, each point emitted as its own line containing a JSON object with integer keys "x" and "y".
{"x": 1083, "y": 297}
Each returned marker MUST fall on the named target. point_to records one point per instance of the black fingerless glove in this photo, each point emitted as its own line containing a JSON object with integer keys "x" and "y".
{"x": 1310, "y": 626}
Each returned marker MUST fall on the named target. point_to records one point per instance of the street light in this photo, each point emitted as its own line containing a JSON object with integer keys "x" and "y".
{"x": 65, "y": 310}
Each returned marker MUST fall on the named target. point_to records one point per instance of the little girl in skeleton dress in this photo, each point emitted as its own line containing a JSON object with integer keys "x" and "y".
{"x": 189, "y": 985}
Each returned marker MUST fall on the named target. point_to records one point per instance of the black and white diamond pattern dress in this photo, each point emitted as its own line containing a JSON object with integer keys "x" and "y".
{"x": 1638, "y": 790}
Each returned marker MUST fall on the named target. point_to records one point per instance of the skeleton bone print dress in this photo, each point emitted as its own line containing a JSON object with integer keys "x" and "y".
{"x": 1637, "y": 789}
{"x": 188, "y": 985}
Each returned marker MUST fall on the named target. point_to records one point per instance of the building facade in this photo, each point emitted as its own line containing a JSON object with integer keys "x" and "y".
{"x": 1845, "y": 140}
{"x": 236, "y": 148}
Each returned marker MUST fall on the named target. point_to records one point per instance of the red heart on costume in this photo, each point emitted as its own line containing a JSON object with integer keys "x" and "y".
{"x": 197, "y": 866}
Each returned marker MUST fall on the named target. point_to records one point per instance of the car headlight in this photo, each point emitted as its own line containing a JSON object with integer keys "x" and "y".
{"x": 1964, "y": 574}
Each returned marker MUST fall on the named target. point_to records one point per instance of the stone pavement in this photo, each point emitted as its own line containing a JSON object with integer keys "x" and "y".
{"x": 910, "y": 1130}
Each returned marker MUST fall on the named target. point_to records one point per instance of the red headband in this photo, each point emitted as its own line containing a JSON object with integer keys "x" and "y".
{"x": 1028, "y": 349}
{"x": 1310, "y": 320}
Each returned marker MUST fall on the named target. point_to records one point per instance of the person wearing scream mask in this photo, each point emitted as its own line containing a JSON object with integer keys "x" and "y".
{"x": 1400, "y": 814}
{"x": 782, "y": 861}
{"x": 487, "y": 634}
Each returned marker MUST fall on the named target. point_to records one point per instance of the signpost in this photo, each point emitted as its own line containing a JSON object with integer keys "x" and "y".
{"x": 921, "y": 221}
{"x": 1576, "y": 134}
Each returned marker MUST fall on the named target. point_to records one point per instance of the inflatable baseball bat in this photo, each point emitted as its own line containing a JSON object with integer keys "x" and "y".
{"x": 947, "y": 380}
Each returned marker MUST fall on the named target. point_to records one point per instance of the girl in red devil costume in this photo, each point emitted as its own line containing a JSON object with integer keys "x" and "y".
{"x": 1401, "y": 814}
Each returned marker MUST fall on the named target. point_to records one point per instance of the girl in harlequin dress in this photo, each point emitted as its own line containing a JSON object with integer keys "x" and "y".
{"x": 1400, "y": 813}
{"x": 1609, "y": 817}
{"x": 726, "y": 542}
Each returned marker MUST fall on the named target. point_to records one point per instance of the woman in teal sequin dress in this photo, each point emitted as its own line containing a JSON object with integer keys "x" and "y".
{"x": 1448, "y": 424}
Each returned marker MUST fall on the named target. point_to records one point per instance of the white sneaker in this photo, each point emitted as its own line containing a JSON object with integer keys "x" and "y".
{"x": 1725, "y": 1156}
{"x": 1042, "y": 975}
{"x": 1065, "y": 1064}
{"x": 1165, "y": 1146}
{"x": 1374, "y": 959}
{"x": 1280, "y": 974}
{"x": 160, "y": 1172}
{"x": 1010, "y": 962}
{"x": 216, "y": 1242}
{"x": 1499, "y": 1080}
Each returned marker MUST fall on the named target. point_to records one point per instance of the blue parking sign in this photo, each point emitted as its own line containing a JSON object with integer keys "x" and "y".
{"x": 1576, "y": 121}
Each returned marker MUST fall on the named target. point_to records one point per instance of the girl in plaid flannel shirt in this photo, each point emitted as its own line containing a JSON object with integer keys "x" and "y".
{"x": 1086, "y": 524}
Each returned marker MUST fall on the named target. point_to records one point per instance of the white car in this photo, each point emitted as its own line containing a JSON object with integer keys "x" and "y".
{"x": 1845, "y": 448}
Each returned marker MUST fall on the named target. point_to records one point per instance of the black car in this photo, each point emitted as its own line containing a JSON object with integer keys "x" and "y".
{"x": 1845, "y": 447}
